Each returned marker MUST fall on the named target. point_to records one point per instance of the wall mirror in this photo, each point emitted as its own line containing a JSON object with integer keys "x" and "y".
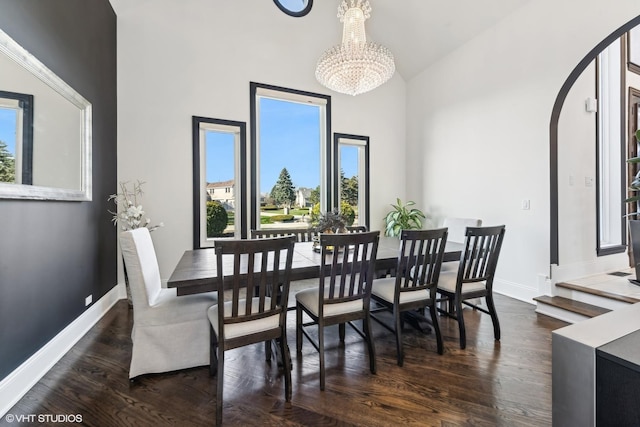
{"x": 219, "y": 180}
{"x": 45, "y": 131}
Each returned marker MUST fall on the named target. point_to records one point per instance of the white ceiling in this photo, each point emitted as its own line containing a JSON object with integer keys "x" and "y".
{"x": 418, "y": 32}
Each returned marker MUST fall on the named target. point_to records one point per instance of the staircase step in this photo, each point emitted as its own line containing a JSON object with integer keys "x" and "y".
{"x": 597, "y": 292}
{"x": 582, "y": 308}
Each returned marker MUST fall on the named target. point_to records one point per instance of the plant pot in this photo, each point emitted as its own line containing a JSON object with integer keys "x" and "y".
{"x": 634, "y": 233}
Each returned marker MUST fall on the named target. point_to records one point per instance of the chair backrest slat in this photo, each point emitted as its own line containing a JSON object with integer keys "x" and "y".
{"x": 480, "y": 256}
{"x": 347, "y": 266}
{"x": 300, "y": 234}
{"x": 419, "y": 259}
{"x": 253, "y": 270}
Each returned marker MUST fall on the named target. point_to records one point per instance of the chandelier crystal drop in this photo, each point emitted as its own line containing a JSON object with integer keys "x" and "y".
{"x": 355, "y": 66}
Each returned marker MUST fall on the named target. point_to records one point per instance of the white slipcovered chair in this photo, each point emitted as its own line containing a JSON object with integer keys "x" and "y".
{"x": 169, "y": 332}
{"x": 457, "y": 228}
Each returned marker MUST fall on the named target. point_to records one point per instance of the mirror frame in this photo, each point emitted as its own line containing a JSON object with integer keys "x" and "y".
{"x": 14, "y": 51}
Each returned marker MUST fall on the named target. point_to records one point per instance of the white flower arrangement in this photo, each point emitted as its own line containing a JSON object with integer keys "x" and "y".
{"x": 131, "y": 214}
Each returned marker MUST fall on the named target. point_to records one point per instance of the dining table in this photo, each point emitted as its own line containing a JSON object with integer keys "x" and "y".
{"x": 196, "y": 271}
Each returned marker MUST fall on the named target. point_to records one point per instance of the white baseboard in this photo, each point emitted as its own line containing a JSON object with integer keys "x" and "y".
{"x": 15, "y": 385}
{"x": 515, "y": 290}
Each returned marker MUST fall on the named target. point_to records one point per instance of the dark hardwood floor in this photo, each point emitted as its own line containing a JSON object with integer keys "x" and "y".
{"x": 506, "y": 383}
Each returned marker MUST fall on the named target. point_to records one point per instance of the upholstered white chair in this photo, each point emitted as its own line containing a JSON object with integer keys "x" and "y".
{"x": 169, "y": 332}
{"x": 457, "y": 228}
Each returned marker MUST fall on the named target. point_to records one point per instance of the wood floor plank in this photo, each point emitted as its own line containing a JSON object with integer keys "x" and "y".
{"x": 506, "y": 383}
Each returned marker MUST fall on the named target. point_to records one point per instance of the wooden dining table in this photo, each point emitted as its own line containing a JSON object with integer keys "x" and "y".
{"x": 196, "y": 271}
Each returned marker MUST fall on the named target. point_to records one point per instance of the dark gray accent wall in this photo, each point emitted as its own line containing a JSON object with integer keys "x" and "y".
{"x": 54, "y": 254}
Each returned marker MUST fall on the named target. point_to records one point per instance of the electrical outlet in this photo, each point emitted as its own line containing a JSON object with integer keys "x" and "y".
{"x": 88, "y": 300}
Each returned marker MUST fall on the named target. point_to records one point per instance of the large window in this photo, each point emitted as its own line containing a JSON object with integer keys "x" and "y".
{"x": 352, "y": 175}
{"x": 290, "y": 156}
{"x": 610, "y": 150}
{"x": 219, "y": 159}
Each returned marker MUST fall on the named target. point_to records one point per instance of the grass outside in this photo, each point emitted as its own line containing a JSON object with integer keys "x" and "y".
{"x": 292, "y": 211}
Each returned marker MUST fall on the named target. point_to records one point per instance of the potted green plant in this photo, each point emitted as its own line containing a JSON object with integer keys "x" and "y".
{"x": 331, "y": 222}
{"x": 403, "y": 217}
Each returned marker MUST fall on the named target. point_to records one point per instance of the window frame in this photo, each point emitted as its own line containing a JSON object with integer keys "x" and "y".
{"x": 257, "y": 90}
{"x": 602, "y": 249}
{"x": 239, "y": 175}
{"x": 24, "y": 124}
{"x": 293, "y": 13}
{"x": 336, "y": 173}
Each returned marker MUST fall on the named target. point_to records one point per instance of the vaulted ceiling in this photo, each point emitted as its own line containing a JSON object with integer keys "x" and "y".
{"x": 418, "y": 32}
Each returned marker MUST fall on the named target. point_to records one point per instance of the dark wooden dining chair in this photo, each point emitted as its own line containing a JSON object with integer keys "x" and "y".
{"x": 474, "y": 277}
{"x": 250, "y": 272}
{"x": 415, "y": 285}
{"x": 301, "y": 234}
{"x": 344, "y": 292}
{"x": 356, "y": 228}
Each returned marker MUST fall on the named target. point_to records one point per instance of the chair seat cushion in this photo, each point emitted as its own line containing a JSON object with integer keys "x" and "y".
{"x": 249, "y": 327}
{"x": 172, "y": 309}
{"x": 310, "y": 298}
{"x": 385, "y": 289}
{"x": 447, "y": 282}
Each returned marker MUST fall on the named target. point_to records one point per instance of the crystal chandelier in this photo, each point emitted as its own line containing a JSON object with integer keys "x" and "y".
{"x": 355, "y": 66}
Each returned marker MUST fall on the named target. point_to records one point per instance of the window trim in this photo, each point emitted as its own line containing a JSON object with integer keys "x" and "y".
{"x": 336, "y": 172}
{"x": 622, "y": 247}
{"x": 25, "y": 105}
{"x": 293, "y": 13}
{"x": 242, "y": 173}
{"x": 260, "y": 89}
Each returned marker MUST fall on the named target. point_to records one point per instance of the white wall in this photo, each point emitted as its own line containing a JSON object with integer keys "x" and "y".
{"x": 197, "y": 57}
{"x": 576, "y": 199}
{"x": 576, "y": 164}
{"x": 478, "y": 126}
